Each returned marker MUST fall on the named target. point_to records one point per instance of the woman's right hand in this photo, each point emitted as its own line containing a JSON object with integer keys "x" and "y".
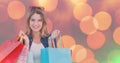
{"x": 25, "y": 37}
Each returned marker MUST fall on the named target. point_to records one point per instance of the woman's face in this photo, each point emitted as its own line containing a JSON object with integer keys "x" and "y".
{"x": 36, "y": 22}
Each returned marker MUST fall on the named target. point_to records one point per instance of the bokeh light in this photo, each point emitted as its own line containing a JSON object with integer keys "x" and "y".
{"x": 90, "y": 60}
{"x": 16, "y": 9}
{"x": 49, "y": 5}
{"x": 110, "y": 4}
{"x": 114, "y": 56}
{"x": 104, "y": 20}
{"x": 78, "y": 53}
{"x": 68, "y": 41}
{"x": 88, "y": 25}
{"x": 116, "y": 35}
{"x": 90, "y": 54}
{"x": 3, "y": 13}
{"x": 82, "y": 10}
{"x": 49, "y": 25}
{"x": 76, "y": 2}
{"x": 96, "y": 40}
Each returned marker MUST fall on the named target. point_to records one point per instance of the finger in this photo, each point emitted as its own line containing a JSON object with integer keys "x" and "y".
{"x": 21, "y": 33}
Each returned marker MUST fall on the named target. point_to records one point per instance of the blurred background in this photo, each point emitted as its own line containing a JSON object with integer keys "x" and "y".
{"x": 90, "y": 28}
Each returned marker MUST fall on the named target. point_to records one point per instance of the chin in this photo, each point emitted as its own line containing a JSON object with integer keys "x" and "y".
{"x": 36, "y": 30}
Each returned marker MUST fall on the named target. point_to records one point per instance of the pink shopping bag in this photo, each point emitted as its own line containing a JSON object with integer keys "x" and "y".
{"x": 23, "y": 55}
{"x": 10, "y": 49}
{"x": 12, "y": 57}
{"x": 7, "y": 47}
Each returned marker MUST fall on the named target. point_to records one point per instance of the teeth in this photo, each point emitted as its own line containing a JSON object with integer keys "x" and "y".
{"x": 35, "y": 26}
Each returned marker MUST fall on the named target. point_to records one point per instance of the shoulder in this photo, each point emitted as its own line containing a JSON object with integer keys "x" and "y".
{"x": 44, "y": 40}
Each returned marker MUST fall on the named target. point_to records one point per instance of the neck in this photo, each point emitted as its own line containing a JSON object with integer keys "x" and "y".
{"x": 36, "y": 37}
{"x": 36, "y": 34}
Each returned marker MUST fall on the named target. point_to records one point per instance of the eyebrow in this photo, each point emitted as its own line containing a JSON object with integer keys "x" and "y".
{"x": 38, "y": 19}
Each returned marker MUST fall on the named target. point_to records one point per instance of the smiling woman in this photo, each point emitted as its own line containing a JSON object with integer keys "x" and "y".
{"x": 36, "y": 35}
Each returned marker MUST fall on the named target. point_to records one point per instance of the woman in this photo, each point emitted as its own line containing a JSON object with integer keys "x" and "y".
{"x": 37, "y": 35}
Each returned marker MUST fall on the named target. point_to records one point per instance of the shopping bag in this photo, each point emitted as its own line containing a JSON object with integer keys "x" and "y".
{"x": 55, "y": 55}
{"x": 30, "y": 57}
{"x": 23, "y": 55}
{"x": 12, "y": 57}
{"x": 9, "y": 50}
{"x": 7, "y": 47}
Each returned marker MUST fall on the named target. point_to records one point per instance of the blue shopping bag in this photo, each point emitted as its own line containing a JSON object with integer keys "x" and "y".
{"x": 55, "y": 55}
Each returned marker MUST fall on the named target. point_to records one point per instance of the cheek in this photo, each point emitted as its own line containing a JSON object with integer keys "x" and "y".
{"x": 30, "y": 24}
{"x": 40, "y": 23}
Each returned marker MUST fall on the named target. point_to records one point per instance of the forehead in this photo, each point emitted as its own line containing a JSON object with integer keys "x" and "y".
{"x": 36, "y": 16}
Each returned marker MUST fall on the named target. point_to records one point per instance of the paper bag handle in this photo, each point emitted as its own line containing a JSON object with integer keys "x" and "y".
{"x": 53, "y": 42}
{"x": 19, "y": 38}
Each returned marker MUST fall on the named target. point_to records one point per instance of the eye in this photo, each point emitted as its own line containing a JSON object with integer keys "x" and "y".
{"x": 32, "y": 19}
{"x": 40, "y": 20}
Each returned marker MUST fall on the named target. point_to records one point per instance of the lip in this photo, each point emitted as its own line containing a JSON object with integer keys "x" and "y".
{"x": 35, "y": 27}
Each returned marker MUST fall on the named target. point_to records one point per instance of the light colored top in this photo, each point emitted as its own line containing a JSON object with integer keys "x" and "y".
{"x": 35, "y": 49}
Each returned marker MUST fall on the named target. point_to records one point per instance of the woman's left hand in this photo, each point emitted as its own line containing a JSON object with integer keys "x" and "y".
{"x": 55, "y": 34}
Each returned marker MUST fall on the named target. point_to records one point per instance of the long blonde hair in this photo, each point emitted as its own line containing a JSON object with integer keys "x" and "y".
{"x": 38, "y": 10}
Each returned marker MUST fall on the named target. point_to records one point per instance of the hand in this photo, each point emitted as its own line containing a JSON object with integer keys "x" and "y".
{"x": 55, "y": 34}
{"x": 25, "y": 37}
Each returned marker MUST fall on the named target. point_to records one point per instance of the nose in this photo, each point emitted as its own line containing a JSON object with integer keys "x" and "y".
{"x": 36, "y": 22}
